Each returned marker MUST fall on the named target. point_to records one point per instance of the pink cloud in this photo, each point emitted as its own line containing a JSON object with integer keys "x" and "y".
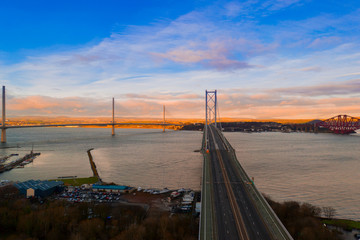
{"x": 311, "y": 69}
{"x": 219, "y": 54}
{"x": 147, "y": 108}
{"x": 183, "y": 55}
{"x": 260, "y": 96}
{"x": 342, "y": 88}
{"x": 236, "y": 105}
{"x": 225, "y": 64}
{"x": 160, "y": 96}
{"x": 32, "y": 102}
{"x": 37, "y": 105}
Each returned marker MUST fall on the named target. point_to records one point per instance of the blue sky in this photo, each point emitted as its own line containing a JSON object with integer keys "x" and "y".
{"x": 267, "y": 59}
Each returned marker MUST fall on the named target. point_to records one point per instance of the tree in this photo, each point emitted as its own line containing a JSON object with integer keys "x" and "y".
{"x": 310, "y": 210}
{"x": 329, "y": 212}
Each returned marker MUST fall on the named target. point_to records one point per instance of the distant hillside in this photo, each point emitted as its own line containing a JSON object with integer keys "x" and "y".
{"x": 314, "y": 121}
{"x": 65, "y": 120}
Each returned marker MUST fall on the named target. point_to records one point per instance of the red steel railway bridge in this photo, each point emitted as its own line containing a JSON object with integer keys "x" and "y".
{"x": 340, "y": 124}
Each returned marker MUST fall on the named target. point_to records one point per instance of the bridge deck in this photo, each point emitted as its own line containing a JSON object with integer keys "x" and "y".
{"x": 89, "y": 124}
{"x": 239, "y": 210}
{"x": 207, "y": 231}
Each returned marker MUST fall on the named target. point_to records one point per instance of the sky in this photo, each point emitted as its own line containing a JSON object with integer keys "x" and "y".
{"x": 269, "y": 59}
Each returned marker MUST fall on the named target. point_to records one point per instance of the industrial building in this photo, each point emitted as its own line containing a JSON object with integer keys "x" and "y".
{"x": 38, "y": 188}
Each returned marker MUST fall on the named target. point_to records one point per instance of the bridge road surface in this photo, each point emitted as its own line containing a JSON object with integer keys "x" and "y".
{"x": 235, "y": 215}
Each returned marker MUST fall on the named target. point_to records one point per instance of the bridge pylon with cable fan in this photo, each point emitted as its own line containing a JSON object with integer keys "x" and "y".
{"x": 112, "y": 124}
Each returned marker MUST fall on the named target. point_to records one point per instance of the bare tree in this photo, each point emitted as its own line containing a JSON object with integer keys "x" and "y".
{"x": 329, "y": 212}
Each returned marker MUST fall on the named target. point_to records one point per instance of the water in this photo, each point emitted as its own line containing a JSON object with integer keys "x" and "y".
{"x": 136, "y": 157}
{"x": 322, "y": 169}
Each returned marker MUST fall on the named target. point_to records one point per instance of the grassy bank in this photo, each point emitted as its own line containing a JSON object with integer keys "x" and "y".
{"x": 77, "y": 181}
{"x": 343, "y": 223}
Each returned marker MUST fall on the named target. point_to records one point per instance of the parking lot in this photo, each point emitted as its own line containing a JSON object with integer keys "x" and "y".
{"x": 86, "y": 195}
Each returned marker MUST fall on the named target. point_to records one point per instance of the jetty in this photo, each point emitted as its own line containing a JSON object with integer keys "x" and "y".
{"x": 92, "y": 164}
{"x": 28, "y": 158}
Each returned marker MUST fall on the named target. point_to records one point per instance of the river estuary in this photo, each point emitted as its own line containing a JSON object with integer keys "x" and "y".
{"x": 322, "y": 169}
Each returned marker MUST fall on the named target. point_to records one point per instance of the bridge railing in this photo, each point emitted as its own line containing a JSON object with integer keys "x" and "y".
{"x": 206, "y": 226}
{"x": 271, "y": 220}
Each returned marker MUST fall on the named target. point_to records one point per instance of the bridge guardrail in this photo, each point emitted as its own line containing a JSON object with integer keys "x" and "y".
{"x": 206, "y": 231}
{"x": 274, "y": 224}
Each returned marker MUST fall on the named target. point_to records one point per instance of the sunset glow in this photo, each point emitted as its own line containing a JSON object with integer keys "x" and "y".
{"x": 273, "y": 59}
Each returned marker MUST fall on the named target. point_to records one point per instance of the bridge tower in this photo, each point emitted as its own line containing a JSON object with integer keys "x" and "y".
{"x": 210, "y": 107}
{"x": 113, "y": 118}
{"x": 163, "y": 118}
{"x": 3, "y": 129}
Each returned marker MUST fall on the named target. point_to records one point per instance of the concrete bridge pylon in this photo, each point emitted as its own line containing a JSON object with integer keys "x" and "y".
{"x": 113, "y": 118}
{"x": 3, "y": 128}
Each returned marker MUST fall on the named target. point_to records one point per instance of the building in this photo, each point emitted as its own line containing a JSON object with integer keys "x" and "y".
{"x": 112, "y": 188}
{"x": 38, "y": 188}
{"x": 30, "y": 192}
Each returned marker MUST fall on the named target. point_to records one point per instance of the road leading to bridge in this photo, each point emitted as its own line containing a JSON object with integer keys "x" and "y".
{"x": 237, "y": 211}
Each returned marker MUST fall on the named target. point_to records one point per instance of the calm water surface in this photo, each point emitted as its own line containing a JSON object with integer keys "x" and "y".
{"x": 322, "y": 169}
{"x": 136, "y": 157}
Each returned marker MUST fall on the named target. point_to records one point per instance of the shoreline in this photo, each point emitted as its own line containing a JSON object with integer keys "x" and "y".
{"x": 346, "y": 224}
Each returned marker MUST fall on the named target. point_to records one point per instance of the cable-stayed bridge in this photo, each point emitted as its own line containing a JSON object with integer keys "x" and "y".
{"x": 232, "y": 207}
{"x": 112, "y": 124}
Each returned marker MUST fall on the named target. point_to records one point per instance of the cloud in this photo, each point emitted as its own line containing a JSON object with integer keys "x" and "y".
{"x": 228, "y": 64}
{"x": 135, "y": 106}
{"x": 197, "y": 41}
{"x": 38, "y": 105}
{"x": 278, "y": 103}
{"x": 324, "y": 42}
{"x": 257, "y": 65}
{"x": 351, "y": 74}
{"x": 331, "y": 89}
{"x": 164, "y": 97}
{"x": 311, "y": 69}
{"x": 253, "y": 9}
{"x": 275, "y": 5}
{"x": 218, "y": 53}
{"x": 233, "y": 9}
{"x": 282, "y": 107}
{"x": 183, "y": 55}
{"x": 213, "y": 58}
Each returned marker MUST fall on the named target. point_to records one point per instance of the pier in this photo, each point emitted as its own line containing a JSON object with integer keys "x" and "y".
{"x": 19, "y": 162}
{"x": 92, "y": 164}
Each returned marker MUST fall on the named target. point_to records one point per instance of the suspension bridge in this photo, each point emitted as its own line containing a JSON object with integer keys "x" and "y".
{"x": 232, "y": 207}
